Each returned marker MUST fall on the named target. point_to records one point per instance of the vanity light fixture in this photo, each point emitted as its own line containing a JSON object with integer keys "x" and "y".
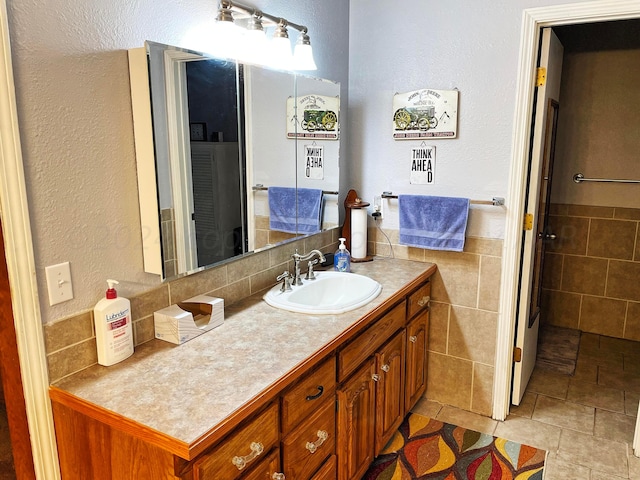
{"x": 252, "y": 47}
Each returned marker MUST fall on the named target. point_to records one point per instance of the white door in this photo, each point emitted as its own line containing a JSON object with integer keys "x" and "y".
{"x": 551, "y": 53}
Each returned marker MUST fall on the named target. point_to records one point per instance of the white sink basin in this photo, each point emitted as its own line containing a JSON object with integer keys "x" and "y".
{"x": 329, "y": 294}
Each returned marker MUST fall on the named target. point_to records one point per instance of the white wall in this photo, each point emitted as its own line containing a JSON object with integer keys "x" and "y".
{"x": 413, "y": 44}
{"x": 74, "y": 109}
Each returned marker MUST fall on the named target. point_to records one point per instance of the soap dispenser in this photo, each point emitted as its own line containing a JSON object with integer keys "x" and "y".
{"x": 114, "y": 332}
{"x": 342, "y": 258}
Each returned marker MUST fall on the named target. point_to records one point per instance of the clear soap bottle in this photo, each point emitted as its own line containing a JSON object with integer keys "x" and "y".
{"x": 342, "y": 258}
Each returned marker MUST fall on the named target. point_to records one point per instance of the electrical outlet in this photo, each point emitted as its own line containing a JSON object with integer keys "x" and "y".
{"x": 377, "y": 206}
{"x": 59, "y": 283}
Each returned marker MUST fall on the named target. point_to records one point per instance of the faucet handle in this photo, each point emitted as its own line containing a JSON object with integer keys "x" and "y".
{"x": 286, "y": 281}
{"x": 310, "y": 274}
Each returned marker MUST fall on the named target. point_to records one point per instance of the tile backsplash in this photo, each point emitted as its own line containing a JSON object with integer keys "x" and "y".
{"x": 465, "y": 295}
{"x": 70, "y": 342}
{"x": 590, "y": 279}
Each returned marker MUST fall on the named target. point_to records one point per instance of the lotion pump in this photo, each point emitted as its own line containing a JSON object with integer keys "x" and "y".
{"x": 114, "y": 332}
{"x": 342, "y": 258}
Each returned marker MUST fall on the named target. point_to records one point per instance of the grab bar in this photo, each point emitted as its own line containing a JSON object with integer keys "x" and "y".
{"x": 578, "y": 178}
{"x": 495, "y": 201}
{"x": 260, "y": 186}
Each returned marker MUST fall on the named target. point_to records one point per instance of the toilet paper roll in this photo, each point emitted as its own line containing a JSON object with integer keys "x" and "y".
{"x": 358, "y": 232}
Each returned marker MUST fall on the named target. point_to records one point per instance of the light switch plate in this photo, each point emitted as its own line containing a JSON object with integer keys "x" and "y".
{"x": 59, "y": 283}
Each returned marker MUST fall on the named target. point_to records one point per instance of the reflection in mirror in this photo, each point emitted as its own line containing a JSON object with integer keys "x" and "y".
{"x": 218, "y": 130}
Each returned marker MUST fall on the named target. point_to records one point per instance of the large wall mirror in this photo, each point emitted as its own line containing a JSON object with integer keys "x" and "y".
{"x": 215, "y": 142}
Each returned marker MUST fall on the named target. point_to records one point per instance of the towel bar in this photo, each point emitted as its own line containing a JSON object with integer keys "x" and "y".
{"x": 496, "y": 201}
{"x": 259, "y": 186}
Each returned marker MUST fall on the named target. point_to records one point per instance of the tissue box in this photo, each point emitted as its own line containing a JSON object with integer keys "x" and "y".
{"x": 186, "y": 320}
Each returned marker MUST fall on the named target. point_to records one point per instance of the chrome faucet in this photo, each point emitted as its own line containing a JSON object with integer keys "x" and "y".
{"x": 297, "y": 258}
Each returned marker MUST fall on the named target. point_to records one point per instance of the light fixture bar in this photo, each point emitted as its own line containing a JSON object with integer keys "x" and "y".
{"x": 239, "y": 7}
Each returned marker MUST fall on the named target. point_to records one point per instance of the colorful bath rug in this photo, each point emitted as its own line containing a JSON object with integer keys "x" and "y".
{"x": 424, "y": 448}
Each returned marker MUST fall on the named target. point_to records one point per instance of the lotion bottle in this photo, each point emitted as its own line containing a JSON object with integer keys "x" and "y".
{"x": 114, "y": 332}
{"x": 342, "y": 258}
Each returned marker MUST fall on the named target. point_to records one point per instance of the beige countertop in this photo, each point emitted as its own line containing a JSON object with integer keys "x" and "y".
{"x": 184, "y": 391}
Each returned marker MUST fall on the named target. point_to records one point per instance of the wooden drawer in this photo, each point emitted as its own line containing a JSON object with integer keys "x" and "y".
{"x": 419, "y": 300}
{"x": 352, "y": 356}
{"x": 304, "y": 397}
{"x": 329, "y": 470}
{"x": 308, "y": 445}
{"x": 267, "y": 469}
{"x": 223, "y": 462}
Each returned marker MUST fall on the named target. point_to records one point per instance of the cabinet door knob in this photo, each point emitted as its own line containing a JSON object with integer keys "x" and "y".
{"x": 424, "y": 301}
{"x": 413, "y": 339}
{"x": 375, "y": 377}
{"x": 313, "y": 446}
{"x": 256, "y": 449}
{"x": 385, "y": 367}
{"x": 278, "y": 476}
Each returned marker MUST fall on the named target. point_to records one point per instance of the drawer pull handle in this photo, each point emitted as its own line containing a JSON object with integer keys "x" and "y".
{"x": 413, "y": 339}
{"x": 256, "y": 449}
{"x": 278, "y": 476}
{"x": 313, "y": 446}
{"x": 385, "y": 367}
{"x": 317, "y": 395}
{"x": 424, "y": 301}
{"x": 375, "y": 377}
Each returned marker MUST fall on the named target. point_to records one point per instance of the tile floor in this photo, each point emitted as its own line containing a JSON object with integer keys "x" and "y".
{"x": 585, "y": 422}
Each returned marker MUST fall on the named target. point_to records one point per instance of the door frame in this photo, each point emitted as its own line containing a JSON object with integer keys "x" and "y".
{"x": 532, "y": 21}
{"x": 21, "y": 268}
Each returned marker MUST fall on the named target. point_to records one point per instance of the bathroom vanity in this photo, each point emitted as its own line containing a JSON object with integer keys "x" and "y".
{"x": 270, "y": 394}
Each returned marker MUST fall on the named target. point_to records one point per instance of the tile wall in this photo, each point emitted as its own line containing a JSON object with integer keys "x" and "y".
{"x": 464, "y": 316}
{"x": 70, "y": 342}
{"x": 590, "y": 279}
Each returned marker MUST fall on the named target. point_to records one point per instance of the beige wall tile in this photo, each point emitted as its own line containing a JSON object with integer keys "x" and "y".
{"x": 72, "y": 359}
{"x": 483, "y": 246}
{"x": 552, "y": 271}
{"x": 489, "y": 294}
{"x": 234, "y": 292}
{"x": 438, "y": 327}
{"x": 558, "y": 209}
{"x": 457, "y": 279}
{"x": 603, "y": 315}
{"x": 145, "y": 304}
{"x": 589, "y": 211}
{"x": 265, "y": 279}
{"x": 472, "y": 334}
{"x": 632, "y": 325}
{"x": 283, "y": 253}
{"x": 262, "y": 222}
{"x": 197, "y": 284}
{"x": 627, "y": 213}
{"x": 68, "y": 331}
{"x": 612, "y": 239}
{"x": 622, "y": 281}
{"x": 571, "y": 234}
{"x": 636, "y": 255}
{"x": 584, "y": 275}
{"x": 449, "y": 380}
{"x": 560, "y": 308}
{"x": 143, "y": 331}
{"x": 247, "y": 266}
{"x": 482, "y": 392}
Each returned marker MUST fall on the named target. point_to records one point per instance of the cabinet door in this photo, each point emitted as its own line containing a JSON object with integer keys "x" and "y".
{"x": 267, "y": 469}
{"x": 356, "y": 417}
{"x": 390, "y": 370}
{"x": 328, "y": 470}
{"x": 310, "y": 443}
{"x": 417, "y": 341}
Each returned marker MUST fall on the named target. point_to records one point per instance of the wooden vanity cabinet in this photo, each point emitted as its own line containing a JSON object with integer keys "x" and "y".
{"x": 327, "y": 423}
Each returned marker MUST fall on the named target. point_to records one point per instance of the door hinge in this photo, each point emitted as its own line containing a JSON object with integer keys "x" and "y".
{"x": 541, "y": 76}
{"x": 528, "y": 221}
{"x": 517, "y": 355}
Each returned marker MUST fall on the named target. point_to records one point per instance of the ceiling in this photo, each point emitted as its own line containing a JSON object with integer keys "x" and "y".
{"x": 617, "y": 35}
